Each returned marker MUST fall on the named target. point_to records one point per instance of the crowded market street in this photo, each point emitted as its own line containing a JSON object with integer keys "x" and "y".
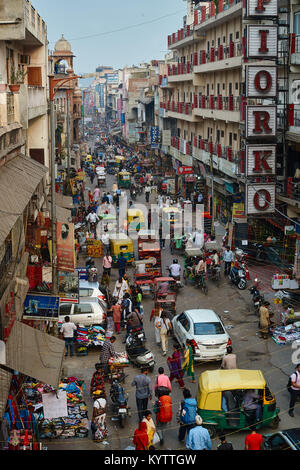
{"x": 234, "y": 308}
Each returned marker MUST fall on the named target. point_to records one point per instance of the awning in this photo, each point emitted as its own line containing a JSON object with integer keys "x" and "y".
{"x": 37, "y": 354}
{"x": 64, "y": 201}
{"x": 19, "y": 179}
{"x": 5, "y": 380}
{"x": 146, "y": 99}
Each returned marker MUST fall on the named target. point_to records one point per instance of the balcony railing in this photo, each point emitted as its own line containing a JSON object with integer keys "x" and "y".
{"x": 180, "y": 69}
{"x": 234, "y": 49}
{"x": 219, "y": 103}
{"x": 225, "y": 152}
{"x": 34, "y": 22}
{"x": 180, "y": 107}
{"x": 10, "y": 107}
{"x": 181, "y": 34}
{"x": 36, "y": 96}
{"x": 210, "y": 11}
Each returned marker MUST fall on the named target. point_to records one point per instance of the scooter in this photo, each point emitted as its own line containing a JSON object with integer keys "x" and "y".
{"x": 257, "y": 298}
{"x": 238, "y": 278}
{"x": 119, "y": 402}
{"x": 137, "y": 353}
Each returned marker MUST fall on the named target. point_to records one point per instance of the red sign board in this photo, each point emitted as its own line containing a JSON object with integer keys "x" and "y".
{"x": 185, "y": 170}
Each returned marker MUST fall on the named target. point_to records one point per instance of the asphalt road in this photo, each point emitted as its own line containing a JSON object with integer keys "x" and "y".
{"x": 234, "y": 307}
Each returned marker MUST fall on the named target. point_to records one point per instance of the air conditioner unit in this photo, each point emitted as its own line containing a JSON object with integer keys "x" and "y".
{"x": 25, "y": 59}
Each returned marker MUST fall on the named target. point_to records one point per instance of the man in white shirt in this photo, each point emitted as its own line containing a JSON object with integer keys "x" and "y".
{"x": 228, "y": 259}
{"x": 67, "y": 330}
{"x": 105, "y": 240}
{"x": 175, "y": 269}
{"x": 92, "y": 218}
{"x": 295, "y": 389}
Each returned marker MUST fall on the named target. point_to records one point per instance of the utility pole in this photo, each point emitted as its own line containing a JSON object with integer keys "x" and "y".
{"x": 212, "y": 194}
{"x": 68, "y": 136}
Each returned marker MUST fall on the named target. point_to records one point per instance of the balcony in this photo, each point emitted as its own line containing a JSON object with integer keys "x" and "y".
{"x": 217, "y": 107}
{"x": 180, "y": 72}
{"x": 37, "y": 103}
{"x": 210, "y": 16}
{"x": 225, "y": 159}
{"x": 289, "y": 192}
{"x": 35, "y": 26}
{"x": 183, "y": 36}
{"x": 221, "y": 57}
{"x": 11, "y": 138}
{"x": 295, "y": 49}
{"x": 181, "y": 110}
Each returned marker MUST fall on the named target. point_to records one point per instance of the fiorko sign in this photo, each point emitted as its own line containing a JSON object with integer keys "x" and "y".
{"x": 65, "y": 248}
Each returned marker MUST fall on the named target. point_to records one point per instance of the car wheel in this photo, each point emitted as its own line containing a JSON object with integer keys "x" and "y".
{"x": 212, "y": 430}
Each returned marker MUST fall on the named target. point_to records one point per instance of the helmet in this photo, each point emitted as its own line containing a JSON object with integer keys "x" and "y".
{"x": 175, "y": 261}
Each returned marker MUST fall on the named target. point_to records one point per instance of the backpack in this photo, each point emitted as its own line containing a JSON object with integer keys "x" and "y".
{"x": 165, "y": 409}
{"x": 190, "y": 408}
{"x": 289, "y": 384}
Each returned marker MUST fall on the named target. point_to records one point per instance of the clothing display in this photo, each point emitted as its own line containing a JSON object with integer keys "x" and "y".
{"x": 286, "y": 334}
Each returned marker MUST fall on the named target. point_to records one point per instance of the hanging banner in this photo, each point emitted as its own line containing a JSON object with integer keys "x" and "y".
{"x": 65, "y": 248}
{"x": 41, "y": 307}
{"x": 260, "y": 198}
{"x": 68, "y": 287}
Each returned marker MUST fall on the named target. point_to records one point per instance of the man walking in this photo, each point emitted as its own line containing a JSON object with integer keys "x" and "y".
{"x": 294, "y": 389}
{"x": 228, "y": 259}
{"x": 143, "y": 391}
{"x": 122, "y": 262}
{"x": 229, "y": 361}
{"x": 187, "y": 414}
{"x": 107, "y": 351}
{"x": 198, "y": 438}
{"x": 67, "y": 330}
{"x": 162, "y": 384}
{"x": 254, "y": 440}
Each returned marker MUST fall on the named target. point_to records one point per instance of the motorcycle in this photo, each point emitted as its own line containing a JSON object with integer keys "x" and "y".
{"x": 257, "y": 298}
{"x": 238, "y": 277}
{"x": 133, "y": 194}
{"x": 178, "y": 284}
{"x": 119, "y": 402}
{"x": 137, "y": 353}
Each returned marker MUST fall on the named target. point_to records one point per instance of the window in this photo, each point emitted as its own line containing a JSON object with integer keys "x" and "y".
{"x": 230, "y": 139}
{"x": 219, "y": 41}
{"x": 65, "y": 309}
{"x": 184, "y": 322}
{"x": 237, "y": 35}
{"x": 277, "y": 442}
{"x": 230, "y": 89}
{"x": 230, "y": 37}
{"x": 85, "y": 292}
{"x": 222, "y": 134}
{"x": 218, "y": 135}
{"x": 223, "y": 86}
{"x": 218, "y": 88}
{"x": 224, "y": 39}
{"x": 236, "y": 85}
{"x": 83, "y": 308}
{"x": 207, "y": 89}
{"x": 207, "y": 46}
{"x": 214, "y": 328}
{"x": 235, "y": 137}
{"x": 297, "y": 24}
{"x": 34, "y": 76}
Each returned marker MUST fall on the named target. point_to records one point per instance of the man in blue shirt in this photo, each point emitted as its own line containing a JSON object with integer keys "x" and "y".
{"x": 122, "y": 262}
{"x": 198, "y": 438}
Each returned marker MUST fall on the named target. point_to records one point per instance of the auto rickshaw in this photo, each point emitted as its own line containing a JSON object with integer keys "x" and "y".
{"x": 165, "y": 295}
{"x": 151, "y": 250}
{"x": 135, "y": 219}
{"x": 111, "y": 167}
{"x": 220, "y": 400}
{"x": 124, "y": 179}
{"x": 191, "y": 259}
{"x": 121, "y": 243}
{"x": 89, "y": 159}
{"x": 119, "y": 160}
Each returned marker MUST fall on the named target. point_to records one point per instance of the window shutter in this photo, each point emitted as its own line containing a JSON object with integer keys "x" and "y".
{"x": 34, "y": 76}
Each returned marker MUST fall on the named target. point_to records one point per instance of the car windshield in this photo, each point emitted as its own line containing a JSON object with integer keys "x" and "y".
{"x": 214, "y": 328}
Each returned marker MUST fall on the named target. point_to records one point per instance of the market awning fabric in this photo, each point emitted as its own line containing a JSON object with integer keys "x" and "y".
{"x": 35, "y": 354}
{"x": 5, "y": 380}
{"x": 19, "y": 178}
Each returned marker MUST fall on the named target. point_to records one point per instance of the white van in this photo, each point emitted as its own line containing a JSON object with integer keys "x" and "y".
{"x": 85, "y": 313}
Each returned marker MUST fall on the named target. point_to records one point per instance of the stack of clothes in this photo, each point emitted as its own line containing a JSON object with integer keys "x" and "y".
{"x": 73, "y": 425}
{"x": 286, "y": 334}
{"x": 92, "y": 336}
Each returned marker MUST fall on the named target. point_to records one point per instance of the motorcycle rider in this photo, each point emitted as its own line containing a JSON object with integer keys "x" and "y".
{"x": 175, "y": 269}
{"x": 92, "y": 218}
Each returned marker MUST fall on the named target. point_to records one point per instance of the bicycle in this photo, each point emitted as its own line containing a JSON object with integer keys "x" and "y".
{"x": 201, "y": 283}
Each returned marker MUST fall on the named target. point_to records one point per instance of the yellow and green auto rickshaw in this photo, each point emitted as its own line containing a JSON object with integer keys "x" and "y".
{"x": 220, "y": 400}
{"x": 135, "y": 220}
{"x": 124, "y": 179}
{"x": 119, "y": 160}
{"x": 121, "y": 243}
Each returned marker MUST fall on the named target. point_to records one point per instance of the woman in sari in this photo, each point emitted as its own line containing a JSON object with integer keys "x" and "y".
{"x": 174, "y": 363}
{"x": 140, "y": 439}
{"x": 151, "y": 429}
{"x": 188, "y": 365}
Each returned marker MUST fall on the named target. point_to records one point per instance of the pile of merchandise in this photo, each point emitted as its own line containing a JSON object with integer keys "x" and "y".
{"x": 88, "y": 337}
{"x": 120, "y": 360}
{"x": 286, "y": 334}
{"x": 73, "y": 425}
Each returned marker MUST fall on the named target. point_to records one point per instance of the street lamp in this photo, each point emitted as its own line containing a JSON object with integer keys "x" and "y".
{"x": 54, "y": 85}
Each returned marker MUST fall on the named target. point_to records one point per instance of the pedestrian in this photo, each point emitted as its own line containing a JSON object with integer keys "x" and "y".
{"x": 140, "y": 439}
{"x": 224, "y": 445}
{"x": 143, "y": 391}
{"x": 107, "y": 351}
{"x": 198, "y": 437}
{"x": 174, "y": 363}
{"x": 109, "y": 323}
{"x": 119, "y": 290}
{"x": 97, "y": 381}
{"x": 164, "y": 413}
{"x": 97, "y": 194}
{"x": 229, "y": 361}
{"x": 67, "y": 330}
{"x": 122, "y": 263}
{"x": 107, "y": 264}
{"x": 165, "y": 328}
{"x": 116, "y": 311}
{"x": 254, "y": 440}
{"x": 162, "y": 240}
{"x": 264, "y": 320}
{"x": 294, "y": 389}
{"x": 134, "y": 320}
{"x": 92, "y": 177}
{"x": 188, "y": 365}
{"x": 105, "y": 241}
{"x": 151, "y": 428}
{"x": 186, "y": 414}
{"x": 147, "y": 192}
{"x": 228, "y": 259}
{"x": 155, "y": 314}
{"x": 162, "y": 384}
{"x": 91, "y": 197}
{"x": 99, "y": 420}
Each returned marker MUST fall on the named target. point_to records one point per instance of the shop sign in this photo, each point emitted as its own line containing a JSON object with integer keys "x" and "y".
{"x": 166, "y": 137}
{"x": 65, "y": 248}
{"x": 185, "y": 170}
{"x": 261, "y": 160}
{"x": 41, "y": 307}
{"x": 260, "y": 198}
{"x": 261, "y": 8}
{"x": 261, "y": 121}
{"x": 154, "y": 137}
{"x": 261, "y": 82}
{"x": 68, "y": 287}
{"x": 262, "y": 41}
{"x": 238, "y": 210}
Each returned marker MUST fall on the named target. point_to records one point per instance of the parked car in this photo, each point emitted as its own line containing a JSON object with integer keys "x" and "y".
{"x": 206, "y": 331}
{"x": 91, "y": 289}
{"x": 288, "y": 439}
{"x": 85, "y": 313}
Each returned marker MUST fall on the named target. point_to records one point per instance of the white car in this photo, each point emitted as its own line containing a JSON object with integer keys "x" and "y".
{"x": 90, "y": 291}
{"x": 84, "y": 313}
{"x": 206, "y": 330}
